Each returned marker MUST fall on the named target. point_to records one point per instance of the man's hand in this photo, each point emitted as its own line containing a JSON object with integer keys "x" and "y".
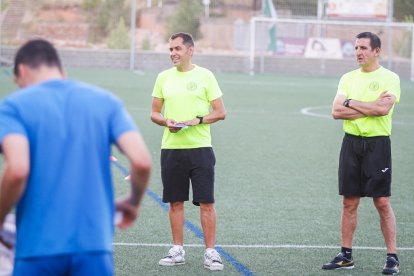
{"x": 192, "y": 122}
{"x": 170, "y": 123}
{"x": 129, "y": 212}
{"x": 385, "y": 97}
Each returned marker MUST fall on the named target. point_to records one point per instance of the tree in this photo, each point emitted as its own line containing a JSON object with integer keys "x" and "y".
{"x": 186, "y": 19}
{"x": 118, "y": 38}
{"x": 301, "y": 8}
{"x": 105, "y": 15}
{"x": 403, "y": 9}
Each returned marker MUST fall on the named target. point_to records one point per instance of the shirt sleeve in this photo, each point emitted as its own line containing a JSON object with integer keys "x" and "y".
{"x": 395, "y": 88}
{"x": 121, "y": 121}
{"x": 157, "y": 91}
{"x": 213, "y": 90}
{"x": 342, "y": 87}
{"x": 10, "y": 122}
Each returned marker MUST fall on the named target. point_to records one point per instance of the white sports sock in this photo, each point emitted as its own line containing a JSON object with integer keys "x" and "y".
{"x": 178, "y": 246}
{"x": 208, "y": 250}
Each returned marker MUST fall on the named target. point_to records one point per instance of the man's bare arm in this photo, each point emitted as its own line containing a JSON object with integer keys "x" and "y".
{"x": 16, "y": 171}
{"x": 379, "y": 107}
{"x": 339, "y": 111}
{"x": 157, "y": 117}
{"x": 133, "y": 146}
{"x": 217, "y": 113}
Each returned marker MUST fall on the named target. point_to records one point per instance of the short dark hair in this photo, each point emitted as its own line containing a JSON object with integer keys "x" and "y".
{"x": 187, "y": 38}
{"x": 374, "y": 40}
{"x": 35, "y": 53}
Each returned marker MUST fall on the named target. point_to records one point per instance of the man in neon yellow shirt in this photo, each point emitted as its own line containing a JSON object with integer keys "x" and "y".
{"x": 365, "y": 101}
{"x": 188, "y": 92}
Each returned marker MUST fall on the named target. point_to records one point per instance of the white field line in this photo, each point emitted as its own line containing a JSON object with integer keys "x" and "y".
{"x": 309, "y": 111}
{"x": 279, "y": 83}
{"x": 262, "y": 246}
{"x": 233, "y": 111}
{"x": 312, "y": 111}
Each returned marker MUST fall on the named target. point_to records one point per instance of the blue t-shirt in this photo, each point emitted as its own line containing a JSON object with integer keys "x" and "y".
{"x": 68, "y": 204}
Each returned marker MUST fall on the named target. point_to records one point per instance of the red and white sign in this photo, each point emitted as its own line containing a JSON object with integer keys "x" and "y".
{"x": 357, "y": 9}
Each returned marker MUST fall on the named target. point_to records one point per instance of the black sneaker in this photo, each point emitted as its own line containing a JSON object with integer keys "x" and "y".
{"x": 339, "y": 262}
{"x": 391, "y": 267}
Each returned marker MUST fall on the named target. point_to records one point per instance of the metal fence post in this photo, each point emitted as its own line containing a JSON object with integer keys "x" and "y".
{"x": 132, "y": 33}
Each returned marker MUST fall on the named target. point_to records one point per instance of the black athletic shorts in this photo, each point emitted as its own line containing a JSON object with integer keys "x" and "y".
{"x": 179, "y": 166}
{"x": 365, "y": 166}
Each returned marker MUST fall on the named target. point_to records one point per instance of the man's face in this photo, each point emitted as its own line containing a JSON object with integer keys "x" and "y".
{"x": 365, "y": 55}
{"x": 180, "y": 54}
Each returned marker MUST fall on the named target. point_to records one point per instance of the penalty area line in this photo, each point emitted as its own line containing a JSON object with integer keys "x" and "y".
{"x": 308, "y": 111}
{"x": 262, "y": 246}
{"x": 312, "y": 112}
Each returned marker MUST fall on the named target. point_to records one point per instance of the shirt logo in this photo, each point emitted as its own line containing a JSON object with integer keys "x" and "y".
{"x": 191, "y": 86}
{"x": 373, "y": 86}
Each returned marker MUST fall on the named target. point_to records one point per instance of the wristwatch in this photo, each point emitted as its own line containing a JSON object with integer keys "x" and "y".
{"x": 346, "y": 102}
{"x": 201, "y": 119}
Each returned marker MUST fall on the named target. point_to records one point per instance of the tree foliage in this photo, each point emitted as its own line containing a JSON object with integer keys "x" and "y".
{"x": 119, "y": 37}
{"x": 90, "y": 5}
{"x": 105, "y": 15}
{"x": 403, "y": 9}
{"x": 186, "y": 19}
{"x": 299, "y": 8}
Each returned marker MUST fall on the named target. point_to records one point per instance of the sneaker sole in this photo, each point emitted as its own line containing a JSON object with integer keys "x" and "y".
{"x": 343, "y": 267}
{"x": 214, "y": 268}
{"x": 170, "y": 264}
{"x": 390, "y": 273}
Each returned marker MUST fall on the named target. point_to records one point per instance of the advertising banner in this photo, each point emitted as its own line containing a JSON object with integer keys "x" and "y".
{"x": 357, "y": 9}
{"x": 329, "y": 48}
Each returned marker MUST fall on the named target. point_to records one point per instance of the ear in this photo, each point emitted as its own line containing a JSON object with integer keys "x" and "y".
{"x": 22, "y": 79}
{"x": 377, "y": 51}
{"x": 23, "y": 70}
{"x": 191, "y": 50}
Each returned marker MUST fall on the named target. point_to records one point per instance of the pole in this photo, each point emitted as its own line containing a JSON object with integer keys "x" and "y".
{"x": 412, "y": 54}
{"x": 206, "y": 4}
{"x": 320, "y": 10}
{"x": 252, "y": 46}
{"x": 389, "y": 32}
{"x": 133, "y": 28}
{"x": 1, "y": 28}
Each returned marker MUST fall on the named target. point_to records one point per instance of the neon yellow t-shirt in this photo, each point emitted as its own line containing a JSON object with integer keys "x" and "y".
{"x": 367, "y": 87}
{"x": 187, "y": 95}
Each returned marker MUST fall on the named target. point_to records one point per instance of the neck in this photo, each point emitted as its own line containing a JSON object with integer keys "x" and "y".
{"x": 370, "y": 68}
{"x": 185, "y": 67}
{"x": 43, "y": 74}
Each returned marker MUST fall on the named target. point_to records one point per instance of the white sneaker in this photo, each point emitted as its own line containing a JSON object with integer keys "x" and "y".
{"x": 212, "y": 260}
{"x": 175, "y": 257}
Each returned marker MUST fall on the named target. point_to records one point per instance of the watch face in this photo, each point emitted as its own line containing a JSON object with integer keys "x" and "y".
{"x": 346, "y": 103}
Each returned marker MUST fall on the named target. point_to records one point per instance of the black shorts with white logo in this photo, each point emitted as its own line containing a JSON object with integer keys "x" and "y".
{"x": 180, "y": 166}
{"x": 365, "y": 166}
